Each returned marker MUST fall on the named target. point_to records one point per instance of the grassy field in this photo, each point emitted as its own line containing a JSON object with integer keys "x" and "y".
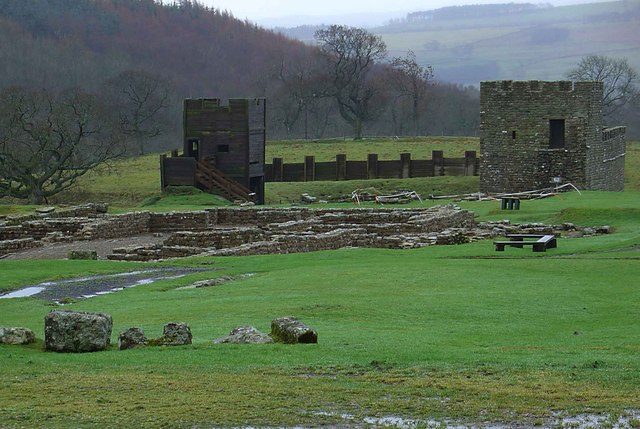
{"x": 135, "y": 182}
{"x": 451, "y": 332}
{"x": 445, "y": 332}
{"x": 471, "y": 49}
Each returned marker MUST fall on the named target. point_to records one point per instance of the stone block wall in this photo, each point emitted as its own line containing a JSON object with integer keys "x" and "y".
{"x": 605, "y": 161}
{"x": 515, "y": 135}
{"x": 116, "y": 226}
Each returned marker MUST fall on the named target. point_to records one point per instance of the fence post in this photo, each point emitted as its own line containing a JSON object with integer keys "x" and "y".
{"x": 470, "y": 163}
{"x": 341, "y": 167}
{"x": 277, "y": 169}
{"x": 438, "y": 162}
{"x": 405, "y": 162}
{"x": 372, "y": 166}
{"x": 162, "y": 159}
{"x": 309, "y": 168}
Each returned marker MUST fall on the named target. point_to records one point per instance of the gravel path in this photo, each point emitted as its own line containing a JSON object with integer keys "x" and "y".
{"x": 103, "y": 247}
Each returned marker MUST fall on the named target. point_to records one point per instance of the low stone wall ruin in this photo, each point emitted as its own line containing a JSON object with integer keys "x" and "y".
{"x": 241, "y": 232}
{"x": 229, "y": 231}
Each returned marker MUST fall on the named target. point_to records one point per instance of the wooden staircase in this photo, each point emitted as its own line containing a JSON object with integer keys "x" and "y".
{"x": 215, "y": 181}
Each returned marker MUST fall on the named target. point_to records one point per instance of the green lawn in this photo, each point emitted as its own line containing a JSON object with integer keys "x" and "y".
{"x": 444, "y": 332}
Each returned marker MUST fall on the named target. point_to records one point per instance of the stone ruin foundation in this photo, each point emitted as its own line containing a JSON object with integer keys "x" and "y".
{"x": 228, "y": 231}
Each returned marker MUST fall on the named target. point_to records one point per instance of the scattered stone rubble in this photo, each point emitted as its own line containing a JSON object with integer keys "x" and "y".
{"x": 245, "y": 335}
{"x": 216, "y": 282}
{"x": 81, "y": 332}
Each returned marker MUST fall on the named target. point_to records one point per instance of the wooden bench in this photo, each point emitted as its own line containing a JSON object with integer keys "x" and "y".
{"x": 540, "y": 243}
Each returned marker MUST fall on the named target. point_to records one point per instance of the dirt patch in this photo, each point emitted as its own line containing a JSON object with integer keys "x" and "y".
{"x": 104, "y": 247}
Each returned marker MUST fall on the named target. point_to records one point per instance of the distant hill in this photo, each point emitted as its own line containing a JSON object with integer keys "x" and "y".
{"x": 204, "y": 51}
{"x": 467, "y": 44}
{"x": 474, "y": 11}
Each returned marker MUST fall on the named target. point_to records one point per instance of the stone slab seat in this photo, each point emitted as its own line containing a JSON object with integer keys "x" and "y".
{"x": 542, "y": 243}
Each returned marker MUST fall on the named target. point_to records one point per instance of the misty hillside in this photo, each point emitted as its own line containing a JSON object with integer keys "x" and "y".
{"x": 81, "y": 42}
{"x": 467, "y": 44}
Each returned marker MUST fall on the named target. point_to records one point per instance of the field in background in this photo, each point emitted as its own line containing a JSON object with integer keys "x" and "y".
{"x": 134, "y": 183}
{"x": 537, "y": 45}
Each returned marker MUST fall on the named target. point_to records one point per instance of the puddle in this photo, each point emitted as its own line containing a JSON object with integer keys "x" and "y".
{"x": 90, "y": 287}
{"x": 23, "y": 293}
{"x": 628, "y": 420}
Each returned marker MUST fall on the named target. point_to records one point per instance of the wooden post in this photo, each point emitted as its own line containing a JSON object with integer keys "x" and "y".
{"x": 470, "y": 163}
{"x": 277, "y": 170}
{"x": 372, "y": 166}
{"x": 405, "y": 163}
{"x": 162, "y": 184}
{"x": 309, "y": 168}
{"x": 438, "y": 162}
{"x": 341, "y": 167}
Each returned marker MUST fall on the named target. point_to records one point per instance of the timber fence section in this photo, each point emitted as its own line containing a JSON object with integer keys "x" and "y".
{"x": 372, "y": 168}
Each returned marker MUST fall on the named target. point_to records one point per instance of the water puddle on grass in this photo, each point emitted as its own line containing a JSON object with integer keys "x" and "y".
{"x": 629, "y": 420}
{"x": 89, "y": 287}
{"x": 23, "y": 293}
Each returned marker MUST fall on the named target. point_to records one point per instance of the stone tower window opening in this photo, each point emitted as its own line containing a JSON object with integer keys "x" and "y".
{"x": 556, "y": 133}
{"x": 223, "y": 148}
{"x": 193, "y": 147}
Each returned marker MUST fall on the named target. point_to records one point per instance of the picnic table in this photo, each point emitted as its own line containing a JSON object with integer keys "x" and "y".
{"x": 540, "y": 242}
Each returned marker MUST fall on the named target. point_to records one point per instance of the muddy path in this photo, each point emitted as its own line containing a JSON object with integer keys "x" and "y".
{"x": 89, "y": 287}
{"x": 103, "y": 247}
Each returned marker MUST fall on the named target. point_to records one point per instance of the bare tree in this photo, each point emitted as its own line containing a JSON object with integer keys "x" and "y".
{"x": 302, "y": 94}
{"x": 619, "y": 78}
{"x": 410, "y": 80}
{"x": 47, "y": 141}
{"x": 351, "y": 54}
{"x": 141, "y": 100}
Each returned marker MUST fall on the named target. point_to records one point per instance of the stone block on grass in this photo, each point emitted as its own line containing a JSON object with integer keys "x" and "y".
{"x": 175, "y": 334}
{"x": 290, "y": 330}
{"x": 245, "y": 335}
{"x": 131, "y": 339}
{"x": 16, "y": 336}
{"x": 77, "y": 332}
{"x": 83, "y": 255}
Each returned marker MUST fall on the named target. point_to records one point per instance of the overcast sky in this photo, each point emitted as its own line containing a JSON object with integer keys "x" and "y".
{"x": 261, "y": 10}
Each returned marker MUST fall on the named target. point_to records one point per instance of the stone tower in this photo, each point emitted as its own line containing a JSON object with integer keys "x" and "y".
{"x": 536, "y": 134}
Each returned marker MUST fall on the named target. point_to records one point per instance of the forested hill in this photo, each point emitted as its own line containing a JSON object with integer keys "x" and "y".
{"x": 84, "y": 42}
{"x": 196, "y": 51}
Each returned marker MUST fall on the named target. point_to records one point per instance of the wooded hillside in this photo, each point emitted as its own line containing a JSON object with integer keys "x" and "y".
{"x": 201, "y": 51}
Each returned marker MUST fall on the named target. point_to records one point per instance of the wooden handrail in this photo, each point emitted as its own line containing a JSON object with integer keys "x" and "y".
{"x": 215, "y": 177}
